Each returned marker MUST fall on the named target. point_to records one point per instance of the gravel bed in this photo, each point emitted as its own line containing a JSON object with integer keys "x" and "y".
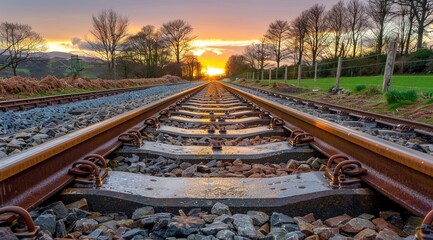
{"x": 20, "y": 130}
{"x": 409, "y": 140}
{"x": 75, "y": 221}
{"x": 206, "y": 141}
{"x": 163, "y": 167}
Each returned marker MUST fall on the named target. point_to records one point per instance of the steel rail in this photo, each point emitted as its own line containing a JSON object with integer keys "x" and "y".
{"x": 29, "y": 178}
{"x": 22, "y": 104}
{"x": 379, "y": 117}
{"x": 403, "y": 175}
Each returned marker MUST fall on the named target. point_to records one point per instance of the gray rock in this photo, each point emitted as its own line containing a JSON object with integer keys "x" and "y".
{"x": 15, "y": 143}
{"x": 212, "y": 163}
{"x": 43, "y": 235}
{"x": 297, "y": 235}
{"x": 213, "y": 228}
{"x": 7, "y": 234}
{"x": 60, "y": 229}
{"x": 153, "y": 170}
{"x": 184, "y": 226}
{"x": 102, "y": 219}
{"x": 220, "y": 209}
{"x": 3, "y": 154}
{"x": 209, "y": 218}
{"x": 133, "y": 159}
{"x": 23, "y": 135}
{"x": 225, "y": 235}
{"x": 185, "y": 165}
{"x": 366, "y": 216}
{"x": 47, "y": 222}
{"x": 95, "y": 234}
{"x": 259, "y": 218}
{"x": 110, "y": 225}
{"x": 143, "y": 212}
{"x": 194, "y": 212}
{"x": 160, "y": 137}
{"x": 278, "y": 219}
{"x": 386, "y": 234}
{"x": 241, "y": 238}
{"x": 276, "y": 233}
{"x": 128, "y": 235}
{"x": 59, "y": 210}
{"x": 80, "y": 213}
{"x": 411, "y": 224}
{"x": 244, "y": 225}
{"x": 290, "y": 227}
{"x": 86, "y": 225}
{"x": 210, "y": 237}
{"x": 224, "y": 218}
{"x": 189, "y": 172}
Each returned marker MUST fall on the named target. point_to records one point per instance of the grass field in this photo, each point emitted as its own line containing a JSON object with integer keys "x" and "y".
{"x": 420, "y": 83}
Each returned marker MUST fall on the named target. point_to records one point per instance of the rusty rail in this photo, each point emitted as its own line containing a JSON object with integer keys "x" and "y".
{"x": 29, "y": 178}
{"x": 381, "y": 118}
{"x": 404, "y": 175}
{"x": 22, "y": 104}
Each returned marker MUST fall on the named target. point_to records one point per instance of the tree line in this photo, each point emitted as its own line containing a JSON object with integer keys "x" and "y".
{"x": 151, "y": 52}
{"x": 350, "y": 29}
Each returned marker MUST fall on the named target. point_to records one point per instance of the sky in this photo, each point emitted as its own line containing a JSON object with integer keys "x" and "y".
{"x": 222, "y": 27}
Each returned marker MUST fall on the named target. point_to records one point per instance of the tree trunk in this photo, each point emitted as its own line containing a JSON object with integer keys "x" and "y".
{"x": 14, "y": 69}
{"x": 406, "y": 51}
{"x": 420, "y": 36}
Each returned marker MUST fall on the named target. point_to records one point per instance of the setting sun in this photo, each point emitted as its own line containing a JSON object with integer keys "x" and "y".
{"x": 212, "y": 71}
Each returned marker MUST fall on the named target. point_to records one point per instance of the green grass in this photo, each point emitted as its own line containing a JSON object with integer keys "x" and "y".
{"x": 419, "y": 83}
{"x": 397, "y": 99}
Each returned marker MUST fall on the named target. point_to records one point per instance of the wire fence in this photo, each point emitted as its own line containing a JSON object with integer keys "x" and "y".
{"x": 367, "y": 70}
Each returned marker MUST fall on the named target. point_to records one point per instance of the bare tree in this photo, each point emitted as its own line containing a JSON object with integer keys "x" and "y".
{"x": 109, "y": 30}
{"x": 317, "y": 31}
{"x": 423, "y": 12}
{"x": 19, "y": 43}
{"x": 358, "y": 23}
{"x": 147, "y": 48}
{"x": 191, "y": 66}
{"x": 252, "y": 56}
{"x": 276, "y": 35}
{"x": 337, "y": 20}
{"x": 380, "y": 13}
{"x": 405, "y": 27}
{"x": 178, "y": 35}
{"x": 298, "y": 33}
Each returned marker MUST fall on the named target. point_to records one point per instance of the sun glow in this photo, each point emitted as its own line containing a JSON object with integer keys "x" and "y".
{"x": 213, "y": 71}
{"x": 55, "y": 46}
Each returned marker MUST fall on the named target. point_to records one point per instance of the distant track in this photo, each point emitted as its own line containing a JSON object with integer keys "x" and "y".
{"x": 28, "y": 103}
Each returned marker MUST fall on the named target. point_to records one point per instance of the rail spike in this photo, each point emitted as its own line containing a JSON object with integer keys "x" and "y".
{"x": 346, "y": 172}
{"x": 164, "y": 115}
{"x": 152, "y": 122}
{"x": 131, "y": 138}
{"x": 403, "y": 128}
{"x": 90, "y": 172}
{"x": 298, "y": 137}
{"x": 425, "y": 231}
{"x": 277, "y": 123}
{"x": 20, "y": 221}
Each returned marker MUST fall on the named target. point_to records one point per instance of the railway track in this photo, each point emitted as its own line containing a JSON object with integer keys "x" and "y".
{"x": 215, "y": 146}
{"x": 415, "y": 135}
{"x": 28, "y": 103}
